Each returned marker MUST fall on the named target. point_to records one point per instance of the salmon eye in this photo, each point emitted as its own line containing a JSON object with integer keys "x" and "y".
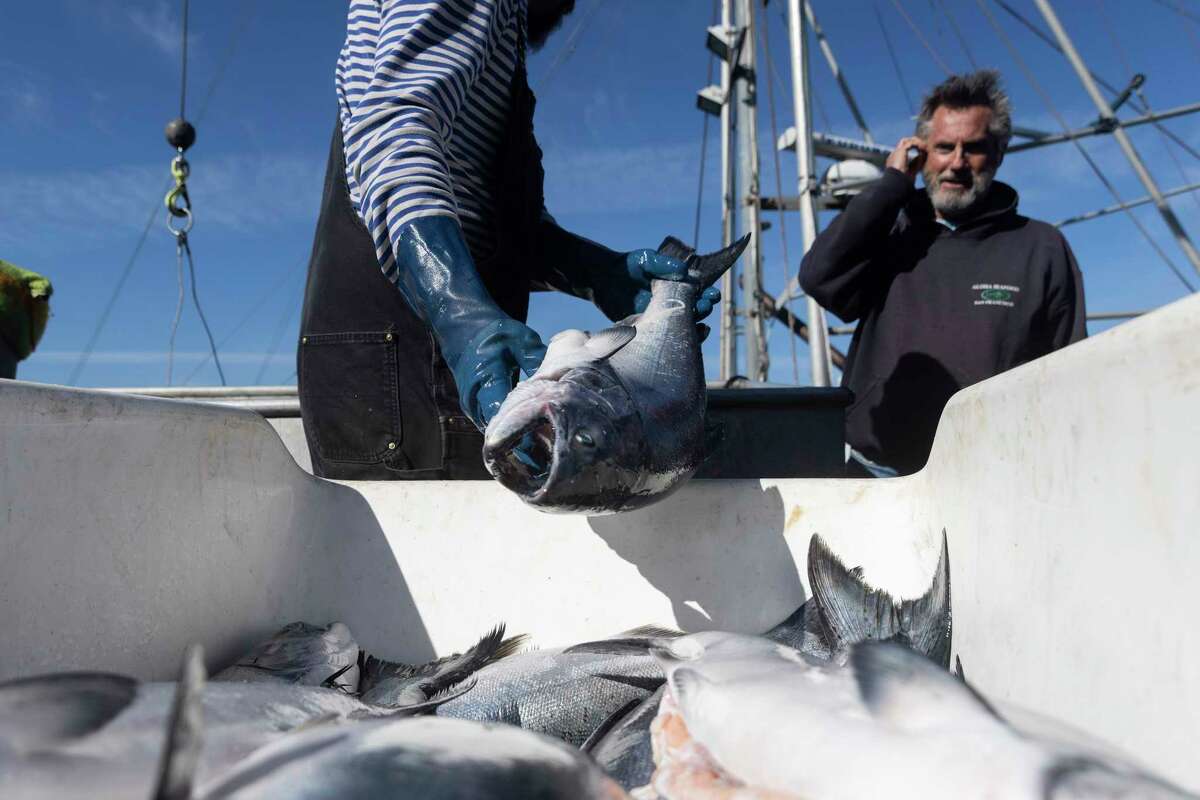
{"x": 584, "y": 439}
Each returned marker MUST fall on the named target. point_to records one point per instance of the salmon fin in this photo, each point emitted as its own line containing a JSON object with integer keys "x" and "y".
{"x": 605, "y": 343}
{"x": 185, "y": 731}
{"x": 615, "y": 646}
{"x": 610, "y": 722}
{"x": 435, "y": 677}
{"x": 657, "y": 631}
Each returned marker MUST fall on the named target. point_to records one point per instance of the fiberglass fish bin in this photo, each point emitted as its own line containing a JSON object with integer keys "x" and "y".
{"x": 1070, "y": 490}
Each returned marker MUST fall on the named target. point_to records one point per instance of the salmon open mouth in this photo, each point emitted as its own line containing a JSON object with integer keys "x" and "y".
{"x": 522, "y": 462}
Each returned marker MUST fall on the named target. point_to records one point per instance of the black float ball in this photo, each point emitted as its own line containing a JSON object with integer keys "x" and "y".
{"x": 180, "y": 134}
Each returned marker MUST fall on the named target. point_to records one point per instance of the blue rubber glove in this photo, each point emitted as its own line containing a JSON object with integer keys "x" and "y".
{"x": 632, "y": 290}
{"x": 618, "y": 283}
{"x": 483, "y": 346}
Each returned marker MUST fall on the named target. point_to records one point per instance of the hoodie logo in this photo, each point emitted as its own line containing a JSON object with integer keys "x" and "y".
{"x": 995, "y": 294}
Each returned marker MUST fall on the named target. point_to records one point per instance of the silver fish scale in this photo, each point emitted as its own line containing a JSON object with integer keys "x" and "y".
{"x": 564, "y": 695}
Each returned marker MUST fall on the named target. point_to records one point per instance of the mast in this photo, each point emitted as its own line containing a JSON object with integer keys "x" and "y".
{"x": 1107, "y": 115}
{"x": 747, "y": 183}
{"x": 728, "y": 284}
{"x": 818, "y": 342}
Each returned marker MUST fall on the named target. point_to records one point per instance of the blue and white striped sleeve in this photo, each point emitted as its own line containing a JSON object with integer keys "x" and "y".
{"x": 404, "y": 72}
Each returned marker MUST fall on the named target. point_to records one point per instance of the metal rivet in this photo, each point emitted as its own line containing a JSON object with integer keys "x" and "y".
{"x": 388, "y": 338}
{"x": 391, "y": 445}
{"x": 303, "y": 340}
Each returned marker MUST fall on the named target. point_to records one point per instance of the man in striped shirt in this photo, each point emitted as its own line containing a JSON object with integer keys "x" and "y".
{"x": 432, "y": 234}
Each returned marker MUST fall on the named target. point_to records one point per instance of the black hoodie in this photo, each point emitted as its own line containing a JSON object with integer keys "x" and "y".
{"x": 938, "y": 309}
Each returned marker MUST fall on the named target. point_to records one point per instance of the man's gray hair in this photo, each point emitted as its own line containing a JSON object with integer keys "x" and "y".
{"x": 981, "y": 88}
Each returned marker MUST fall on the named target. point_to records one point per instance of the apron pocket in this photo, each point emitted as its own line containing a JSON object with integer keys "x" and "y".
{"x": 348, "y": 395}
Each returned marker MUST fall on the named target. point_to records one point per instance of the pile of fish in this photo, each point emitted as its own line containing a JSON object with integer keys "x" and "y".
{"x": 849, "y": 697}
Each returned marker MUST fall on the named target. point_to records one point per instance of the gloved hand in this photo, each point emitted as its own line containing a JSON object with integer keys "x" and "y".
{"x": 486, "y": 370}
{"x": 618, "y": 283}
{"x": 625, "y": 290}
{"x": 483, "y": 346}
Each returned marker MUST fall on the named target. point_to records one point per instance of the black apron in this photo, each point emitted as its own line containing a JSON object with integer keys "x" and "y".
{"x": 377, "y": 399}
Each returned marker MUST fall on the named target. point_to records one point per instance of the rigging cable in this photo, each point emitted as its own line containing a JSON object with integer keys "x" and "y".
{"x": 273, "y": 290}
{"x": 1125, "y": 63}
{"x": 887, "y": 40}
{"x": 787, "y": 263}
{"x": 179, "y": 187}
{"x": 813, "y": 94}
{"x": 704, "y": 139}
{"x": 127, "y": 270}
{"x": 178, "y": 316}
{"x": 958, "y": 34}
{"x": 187, "y": 248}
{"x": 1049, "y": 103}
{"x": 937, "y": 59}
{"x": 181, "y": 135}
{"x": 1137, "y": 104}
{"x": 1183, "y": 12}
{"x": 290, "y": 310}
{"x": 568, "y": 48}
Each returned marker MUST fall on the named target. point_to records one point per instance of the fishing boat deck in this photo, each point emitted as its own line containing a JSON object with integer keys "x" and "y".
{"x": 132, "y": 526}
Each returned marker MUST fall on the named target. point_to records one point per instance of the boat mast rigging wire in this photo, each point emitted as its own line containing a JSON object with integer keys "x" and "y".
{"x": 887, "y": 40}
{"x": 937, "y": 59}
{"x": 1128, "y": 67}
{"x": 1141, "y": 107}
{"x": 958, "y": 34}
{"x": 1182, "y": 239}
{"x": 119, "y": 286}
{"x": 1053, "y": 109}
{"x": 181, "y": 135}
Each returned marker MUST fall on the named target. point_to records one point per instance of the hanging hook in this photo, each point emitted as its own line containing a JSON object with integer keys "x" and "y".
{"x": 177, "y": 201}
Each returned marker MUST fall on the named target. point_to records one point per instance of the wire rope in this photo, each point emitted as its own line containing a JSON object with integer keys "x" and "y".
{"x": 1128, "y": 67}
{"x": 783, "y": 242}
{"x": 568, "y": 48}
{"x": 127, "y": 270}
{"x": 937, "y": 59}
{"x": 1183, "y": 12}
{"x": 1137, "y": 104}
{"x": 187, "y": 248}
{"x": 290, "y": 310}
{"x": 178, "y": 315}
{"x": 1053, "y": 109}
{"x": 887, "y": 40}
{"x": 273, "y": 290}
{"x": 958, "y": 34}
{"x": 813, "y": 94}
{"x": 183, "y": 63}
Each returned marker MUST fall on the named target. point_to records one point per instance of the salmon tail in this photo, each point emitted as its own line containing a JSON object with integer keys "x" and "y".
{"x": 707, "y": 269}
{"x": 851, "y": 610}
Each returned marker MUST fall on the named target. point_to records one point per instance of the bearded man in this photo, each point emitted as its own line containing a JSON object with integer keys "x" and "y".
{"x": 949, "y": 285}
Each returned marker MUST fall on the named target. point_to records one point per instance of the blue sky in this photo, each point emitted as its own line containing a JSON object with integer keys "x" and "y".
{"x": 86, "y": 87}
